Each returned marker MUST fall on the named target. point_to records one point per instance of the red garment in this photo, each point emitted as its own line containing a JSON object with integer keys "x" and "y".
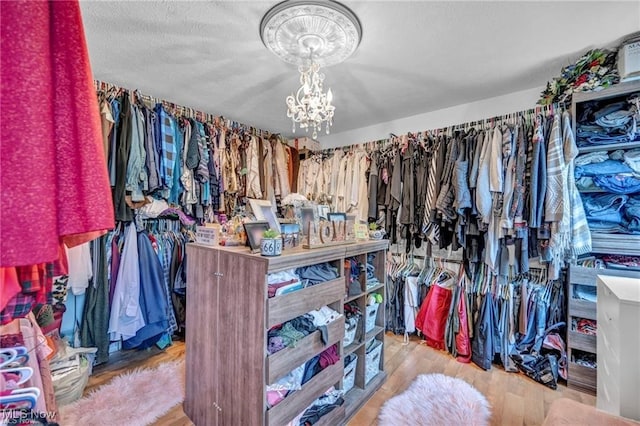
{"x": 36, "y": 282}
{"x": 9, "y": 286}
{"x": 52, "y": 167}
{"x": 432, "y": 316}
{"x": 463, "y": 342}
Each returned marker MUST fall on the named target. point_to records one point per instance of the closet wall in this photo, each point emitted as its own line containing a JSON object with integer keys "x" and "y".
{"x": 465, "y": 113}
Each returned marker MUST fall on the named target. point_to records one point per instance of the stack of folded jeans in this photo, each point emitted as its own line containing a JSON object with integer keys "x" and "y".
{"x": 632, "y": 214}
{"x": 632, "y": 159}
{"x": 618, "y": 184}
{"x": 590, "y": 158}
{"x": 607, "y": 167}
{"x": 611, "y": 175}
{"x": 604, "y": 212}
{"x": 608, "y": 124}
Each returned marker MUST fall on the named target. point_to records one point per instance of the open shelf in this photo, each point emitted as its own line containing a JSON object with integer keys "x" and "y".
{"x": 609, "y": 147}
{"x": 352, "y": 298}
{"x": 288, "y": 306}
{"x": 375, "y": 288}
{"x": 279, "y": 363}
{"x": 225, "y": 382}
{"x": 297, "y": 401}
{"x": 352, "y": 347}
{"x": 355, "y": 398}
{"x": 373, "y": 333}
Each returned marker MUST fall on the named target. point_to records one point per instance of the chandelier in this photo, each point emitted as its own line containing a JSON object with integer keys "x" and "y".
{"x": 311, "y": 34}
{"x": 310, "y": 107}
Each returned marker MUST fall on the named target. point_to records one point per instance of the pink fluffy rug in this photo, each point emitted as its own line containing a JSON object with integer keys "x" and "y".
{"x": 136, "y": 398}
{"x": 436, "y": 399}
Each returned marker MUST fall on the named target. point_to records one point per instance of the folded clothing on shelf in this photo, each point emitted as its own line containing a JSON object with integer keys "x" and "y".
{"x": 618, "y": 260}
{"x": 606, "y": 167}
{"x": 584, "y": 326}
{"x": 318, "y": 273}
{"x": 618, "y": 184}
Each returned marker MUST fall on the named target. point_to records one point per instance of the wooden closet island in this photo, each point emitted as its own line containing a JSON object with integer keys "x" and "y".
{"x": 229, "y": 316}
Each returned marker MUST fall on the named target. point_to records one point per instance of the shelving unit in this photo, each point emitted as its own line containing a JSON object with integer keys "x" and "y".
{"x": 580, "y": 278}
{"x": 229, "y": 316}
{"x": 362, "y": 391}
{"x": 608, "y": 243}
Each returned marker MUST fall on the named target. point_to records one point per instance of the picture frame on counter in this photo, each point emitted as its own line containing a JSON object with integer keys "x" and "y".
{"x": 254, "y": 231}
{"x": 264, "y": 210}
{"x": 337, "y": 217}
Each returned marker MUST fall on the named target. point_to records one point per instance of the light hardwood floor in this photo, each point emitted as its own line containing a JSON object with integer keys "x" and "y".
{"x": 514, "y": 398}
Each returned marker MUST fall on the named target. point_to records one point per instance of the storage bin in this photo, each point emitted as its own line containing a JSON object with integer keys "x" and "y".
{"x": 372, "y": 358}
{"x": 350, "y": 328}
{"x": 372, "y": 313}
{"x": 350, "y": 363}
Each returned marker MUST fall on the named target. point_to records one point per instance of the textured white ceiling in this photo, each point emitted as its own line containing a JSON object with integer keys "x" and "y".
{"x": 414, "y": 57}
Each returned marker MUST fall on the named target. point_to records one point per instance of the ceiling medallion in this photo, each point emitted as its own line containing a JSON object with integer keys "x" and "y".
{"x": 311, "y": 34}
{"x": 291, "y": 28}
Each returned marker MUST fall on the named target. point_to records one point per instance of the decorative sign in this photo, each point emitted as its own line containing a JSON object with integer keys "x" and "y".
{"x": 326, "y": 233}
{"x": 271, "y": 246}
{"x": 361, "y": 231}
{"x": 206, "y": 235}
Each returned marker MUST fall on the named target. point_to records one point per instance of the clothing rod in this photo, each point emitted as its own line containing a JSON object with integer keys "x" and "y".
{"x": 417, "y": 256}
{"x": 184, "y": 111}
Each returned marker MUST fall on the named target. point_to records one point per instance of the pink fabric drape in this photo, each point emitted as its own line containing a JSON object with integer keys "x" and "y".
{"x": 53, "y": 176}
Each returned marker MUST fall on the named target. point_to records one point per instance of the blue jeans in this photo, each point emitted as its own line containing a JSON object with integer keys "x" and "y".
{"x": 607, "y": 227}
{"x": 617, "y": 120}
{"x": 604, "y": 207}
{"x": 632, "y": 213}
{"x": 607, "y": 167}
{"x": 609, "y": 109}
{"x": 592, "y": 138}
{"x": 585, "y": 183}
{"x": 590, "y": 158}
{"x": 618, "y": 184}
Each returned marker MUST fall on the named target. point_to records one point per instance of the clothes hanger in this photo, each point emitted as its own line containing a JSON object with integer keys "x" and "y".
{"x": 20, "y": 399}
{"x": 19, "y": 375}
{"x": 13, "y": 357}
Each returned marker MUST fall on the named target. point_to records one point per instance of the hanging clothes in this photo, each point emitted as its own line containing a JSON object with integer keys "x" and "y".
{"x": 153, "y": 303}
{"x": 80, "y": 270}
{"x": 94, "y": 328}
{"x": 457, "y": 336}
{"x": 126, "y": 316}
{"x": 432, "y": 316}
{"x": 411, "y": 305}
{"x": 483, "y": 345}
{"x": 580, "y": 234}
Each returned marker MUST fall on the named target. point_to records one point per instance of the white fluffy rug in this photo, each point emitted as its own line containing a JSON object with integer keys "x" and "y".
{"x": 436, "y": 399}
{"x": 136, "y": 398}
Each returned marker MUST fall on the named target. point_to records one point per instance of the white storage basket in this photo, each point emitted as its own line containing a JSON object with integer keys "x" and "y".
{"x": 372, "y": 313}
{"x": 350, "y": 328}
{"x": 372, "y": 361}
{"x": 350, "y": 374}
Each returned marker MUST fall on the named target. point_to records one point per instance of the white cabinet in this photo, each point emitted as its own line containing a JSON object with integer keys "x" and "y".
{"x": 618, "y": 308}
